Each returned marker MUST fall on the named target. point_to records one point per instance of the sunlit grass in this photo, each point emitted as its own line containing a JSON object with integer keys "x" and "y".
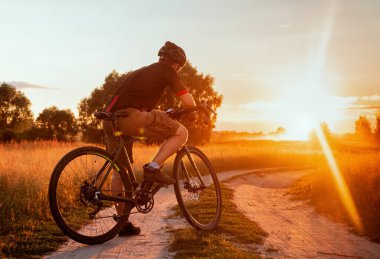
{"x": 25, "y": 170}
{"x": 340, "y": 183}
{"x": 225, "y": 241}
{"x": 361, "y": 172}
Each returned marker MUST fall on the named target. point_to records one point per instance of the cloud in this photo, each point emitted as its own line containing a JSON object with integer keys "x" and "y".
{"x": 356, "y": 86}
{"x": 258, "y": 105}
{"x": 365, "y": 107}
{"x": 366, "y": 102}
{"x": 24, "y": 85}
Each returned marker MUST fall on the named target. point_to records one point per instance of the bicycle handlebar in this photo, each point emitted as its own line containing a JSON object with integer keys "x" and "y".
{"x": 172, "y": 113}
{"x": 178, "y": 113}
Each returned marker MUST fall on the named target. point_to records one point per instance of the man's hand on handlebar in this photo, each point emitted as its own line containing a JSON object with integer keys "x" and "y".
{"x": 176, "y": 114}
{"x": 191, "y": 117}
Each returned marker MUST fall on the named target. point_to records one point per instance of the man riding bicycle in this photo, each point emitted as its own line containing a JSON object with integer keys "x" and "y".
{"x": 137, "y": 96}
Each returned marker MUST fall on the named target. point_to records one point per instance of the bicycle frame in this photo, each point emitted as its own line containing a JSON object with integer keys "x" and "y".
{"x": 193, "y": 164}
{"x": 120, "y": 148}
{"x": 116, "y": 153}
{"x": 108, "y": 189}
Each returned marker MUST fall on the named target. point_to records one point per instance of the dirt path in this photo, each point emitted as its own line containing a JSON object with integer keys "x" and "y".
{"x": 153, "y": 242}
{"x": 295, "y": 229}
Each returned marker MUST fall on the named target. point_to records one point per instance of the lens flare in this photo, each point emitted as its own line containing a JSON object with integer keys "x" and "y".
{"x": 342, "y": 188}
{"x": 315, "y": 75}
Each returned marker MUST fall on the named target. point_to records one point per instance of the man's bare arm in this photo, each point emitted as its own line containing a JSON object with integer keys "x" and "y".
{"x": 187, "y": 100}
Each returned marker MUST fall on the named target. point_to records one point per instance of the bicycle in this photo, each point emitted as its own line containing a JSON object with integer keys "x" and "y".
{"x": 84, "y": 206}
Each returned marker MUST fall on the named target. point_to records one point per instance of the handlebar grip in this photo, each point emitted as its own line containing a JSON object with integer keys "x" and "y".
{"x": 178, "y": 113}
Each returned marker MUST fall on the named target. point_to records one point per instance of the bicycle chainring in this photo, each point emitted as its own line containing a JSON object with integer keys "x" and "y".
{"x": 144, "y": 201}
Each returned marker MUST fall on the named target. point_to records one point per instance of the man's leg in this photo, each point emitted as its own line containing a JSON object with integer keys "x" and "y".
{"x": 171, "y": 145}
{"x": 116, "y": 182}
{"x": 111, "y": 145}
{"x": 116, "y": 186}
{"x": 155, "y": 125}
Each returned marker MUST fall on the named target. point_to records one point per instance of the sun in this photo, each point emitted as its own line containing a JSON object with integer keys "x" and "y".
{"x": 303, "y": 107}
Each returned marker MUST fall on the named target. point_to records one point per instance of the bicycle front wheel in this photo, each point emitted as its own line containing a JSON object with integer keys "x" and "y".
{"x": 75, "y": 189}
{"x": 197, "y": 188}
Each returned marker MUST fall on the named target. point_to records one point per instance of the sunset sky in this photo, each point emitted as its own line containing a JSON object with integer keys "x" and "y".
{"x": 277, "y": 63}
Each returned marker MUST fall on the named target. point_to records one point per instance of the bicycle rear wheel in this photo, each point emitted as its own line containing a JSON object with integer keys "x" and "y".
{"x": 197, "y": 189}
{"x": 74, "y": 191}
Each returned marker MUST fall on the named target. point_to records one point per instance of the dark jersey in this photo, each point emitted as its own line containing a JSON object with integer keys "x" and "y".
{"x": 143, "y": 88}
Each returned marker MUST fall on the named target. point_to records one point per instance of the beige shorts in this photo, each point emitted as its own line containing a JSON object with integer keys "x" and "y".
{"x": 153, "y": 124}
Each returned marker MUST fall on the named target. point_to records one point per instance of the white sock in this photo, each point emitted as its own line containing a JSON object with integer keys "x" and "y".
{"x": 154, "y": 165}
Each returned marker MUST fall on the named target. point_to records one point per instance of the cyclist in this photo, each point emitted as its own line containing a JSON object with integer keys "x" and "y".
{"x": 137, "y": 96}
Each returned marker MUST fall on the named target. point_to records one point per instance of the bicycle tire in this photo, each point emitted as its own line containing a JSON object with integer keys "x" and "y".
{"x": 59, "y": 217}
{"x": 191, "y": 213}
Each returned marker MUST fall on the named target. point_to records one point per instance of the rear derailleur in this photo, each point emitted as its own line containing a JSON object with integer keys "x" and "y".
{"x": 89, "y": 196}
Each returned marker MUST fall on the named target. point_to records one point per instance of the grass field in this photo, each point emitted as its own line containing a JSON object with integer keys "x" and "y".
{"x": 26, "y": 226}
{"x": 231, "y": 239}
{"x": 361, "y": 171}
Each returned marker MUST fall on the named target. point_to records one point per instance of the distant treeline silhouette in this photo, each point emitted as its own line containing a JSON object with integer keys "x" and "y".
{"x": 364, "y": 132}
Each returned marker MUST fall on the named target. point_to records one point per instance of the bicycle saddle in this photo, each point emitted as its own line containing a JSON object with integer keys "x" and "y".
{"x": 109, "y": 116}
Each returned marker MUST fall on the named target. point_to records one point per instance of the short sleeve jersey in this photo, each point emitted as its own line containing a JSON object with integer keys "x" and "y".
{"x": 143, "y": 88}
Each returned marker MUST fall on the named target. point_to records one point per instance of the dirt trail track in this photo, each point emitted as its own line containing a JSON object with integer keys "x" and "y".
{"x": 153, "y": 242}
{"x": 295, "y": 230}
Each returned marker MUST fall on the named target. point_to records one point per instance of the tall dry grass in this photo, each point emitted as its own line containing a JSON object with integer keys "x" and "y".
{"x": 361, "y": 171}
{"x": 25, "y": 168}
{"x": 235, "y": 155}
{"x": 24, "y": 173}
{"x": 25, "y": 219}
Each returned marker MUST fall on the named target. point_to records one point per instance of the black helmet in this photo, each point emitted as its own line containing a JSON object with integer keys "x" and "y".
{"x": 173, "y": 53}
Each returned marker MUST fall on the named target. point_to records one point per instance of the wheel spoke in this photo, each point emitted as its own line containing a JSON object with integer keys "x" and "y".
{"x": 77, "y": 210}
{"x": 202, "y": 206}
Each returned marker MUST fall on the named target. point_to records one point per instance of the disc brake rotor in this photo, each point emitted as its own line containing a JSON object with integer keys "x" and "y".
{"x": 193, "y": 189}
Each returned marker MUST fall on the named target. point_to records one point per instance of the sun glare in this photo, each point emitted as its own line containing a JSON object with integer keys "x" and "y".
{"x": 340, "y": 183}
{"x": 318, "y": 105}
{"x": 307, "y": 103}
{"x": 305, "y": 106}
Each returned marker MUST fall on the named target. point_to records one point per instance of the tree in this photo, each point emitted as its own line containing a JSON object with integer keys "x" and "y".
{"x": 200, "y": 86}
{"x": 53, "y": 123}
{"x": 377, "y": 129}
{"x": 15, "y": 110}
{"x": 363, "y": 130}
{"x": 89, "y": 125}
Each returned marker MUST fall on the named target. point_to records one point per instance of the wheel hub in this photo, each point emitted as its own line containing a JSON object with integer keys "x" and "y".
{"x": 193, "y": 188}
{"x": 88, "y": 193}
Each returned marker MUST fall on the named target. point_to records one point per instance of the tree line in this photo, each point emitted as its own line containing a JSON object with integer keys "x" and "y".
{"x": 17, "y": 121}
{"x": 364, "y": 132}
